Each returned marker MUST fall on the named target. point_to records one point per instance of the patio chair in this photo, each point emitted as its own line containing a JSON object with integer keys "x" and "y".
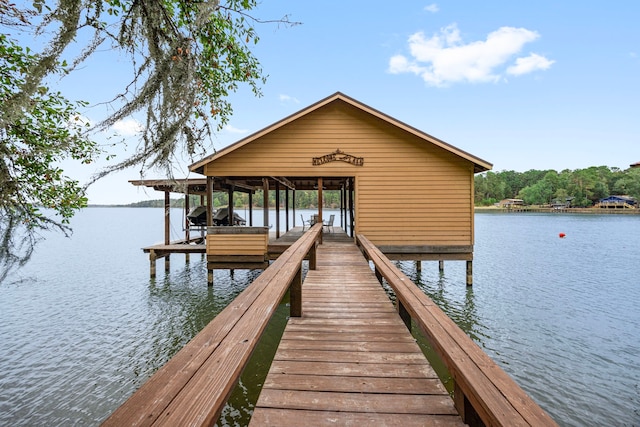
{"x": 307, "y": 222}
{"x": 329, "y": 224}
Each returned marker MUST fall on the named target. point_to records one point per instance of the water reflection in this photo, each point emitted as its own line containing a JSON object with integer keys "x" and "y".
{"x": 80, "y": 332}
{"x": 181, "y": 305}
{"x": 453, "y": 297}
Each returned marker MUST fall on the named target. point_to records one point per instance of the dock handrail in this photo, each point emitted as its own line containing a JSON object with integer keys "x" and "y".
{"x": 484, "y": 394}
{"x": 193, "y": 387}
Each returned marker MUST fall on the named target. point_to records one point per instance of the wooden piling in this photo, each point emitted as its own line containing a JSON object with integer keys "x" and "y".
{"x": 152, "y": 263}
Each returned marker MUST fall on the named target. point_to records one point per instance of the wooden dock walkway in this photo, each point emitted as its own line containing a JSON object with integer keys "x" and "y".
{"x": 350, "y": 358}
{"x": 346, "y": 356}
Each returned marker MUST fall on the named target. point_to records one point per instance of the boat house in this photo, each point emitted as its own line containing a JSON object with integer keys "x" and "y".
{"x": 510, "y": 203}
{"x": 410, "y": 193}
{"x": 617, "y": 202}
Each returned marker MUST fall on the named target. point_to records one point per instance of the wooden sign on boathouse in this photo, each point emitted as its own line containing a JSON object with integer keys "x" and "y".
{"x": 410, "y": 193}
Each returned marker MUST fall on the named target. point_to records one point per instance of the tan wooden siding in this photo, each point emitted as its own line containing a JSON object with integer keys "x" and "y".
{"x": 237, "y": 244}
{"x": 408, "y": 192}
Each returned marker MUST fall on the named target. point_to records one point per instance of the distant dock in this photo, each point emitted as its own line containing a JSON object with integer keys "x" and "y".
{"x": 581, "y": 211}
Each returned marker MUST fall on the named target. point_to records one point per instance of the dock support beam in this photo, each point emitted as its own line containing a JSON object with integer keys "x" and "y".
{"x": 250, "y": 209}
{"x": 312, "y": 258}
{"x": 378, "y": 275}
{"x": 441, "y": 265}
{"x": 404, "y": 315}
{"x": 209, "y": 277}
{"x": 295, "y": 295}
{"x": 320, "y": 202}
{"x": 277, "y": 209}
{"x": 351, "y": 206}
{"x": 187, "y": 236}
{"x": 231, "y": 219}
{"x": 265, "y": 202}
{"x": 152, "y": 263}
{"x": 209, "y": 201}
{"x": 469, "y": 273}
{"x": 465, "y": 409}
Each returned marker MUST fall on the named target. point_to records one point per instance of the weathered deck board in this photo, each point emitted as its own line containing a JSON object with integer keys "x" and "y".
{"x": 349, "y": 359}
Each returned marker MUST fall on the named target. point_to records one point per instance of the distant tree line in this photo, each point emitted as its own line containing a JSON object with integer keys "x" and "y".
{"x": 584, "y": 187}
{"x": 304, "y": 200}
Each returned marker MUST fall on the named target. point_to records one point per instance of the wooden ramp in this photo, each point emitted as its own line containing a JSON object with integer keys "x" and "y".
{"x": 350, "y": 360}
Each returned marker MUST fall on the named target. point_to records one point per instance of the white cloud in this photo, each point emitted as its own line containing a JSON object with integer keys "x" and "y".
{"x": 444, "y": 59}
{"x": 433, "y": 8}
{"x": 287, "y": 98}
{"x": 529, "y": 64}
{"x": 128, "y": 127}
{"x": 232, "y": 129}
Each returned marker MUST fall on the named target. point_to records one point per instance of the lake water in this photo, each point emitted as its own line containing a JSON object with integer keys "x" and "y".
{"x": 82, "y": 325}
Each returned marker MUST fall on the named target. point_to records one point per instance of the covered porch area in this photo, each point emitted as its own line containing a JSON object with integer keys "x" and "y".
{"x": 259, "y": 240}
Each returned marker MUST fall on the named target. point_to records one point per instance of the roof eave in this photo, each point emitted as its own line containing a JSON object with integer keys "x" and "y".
{"x": 479, "y": 164}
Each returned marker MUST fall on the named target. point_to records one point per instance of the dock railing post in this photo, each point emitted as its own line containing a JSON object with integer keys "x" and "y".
{"x": 312, "y": 257}
{"x": 404, "y": 315}
{"x": 295, "y": 295}
{"x": 378, "y": 275}
{"x": 465, "y": 408}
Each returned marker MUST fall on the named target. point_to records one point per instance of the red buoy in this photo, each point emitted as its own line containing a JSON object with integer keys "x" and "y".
{"x": 561, "y": 235}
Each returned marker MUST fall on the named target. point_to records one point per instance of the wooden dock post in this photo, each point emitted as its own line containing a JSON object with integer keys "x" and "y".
{"x": 295, "y": 295}
{"x": 312, "y": 256}
{"x": 152, "y": 263}
{"x": 418, "y": 266}
{"x": 404, "y": 315}
{"x": 209, "y": 277}
{"x": 465, "y": 408}
{"x": 469, "y": 273}
{"x": 378, "y": 275}
{"x": 441, "y": 265}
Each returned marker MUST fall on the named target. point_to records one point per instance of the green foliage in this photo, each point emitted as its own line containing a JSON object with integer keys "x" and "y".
{"x": 543, "y": 187}
{"x": 33, "y": 141}
{"x": 194, "y": 55}
{"x": 186, "y": 57}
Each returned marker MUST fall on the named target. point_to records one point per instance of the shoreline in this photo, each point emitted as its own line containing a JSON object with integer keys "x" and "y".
{"x": 531, "y": 209}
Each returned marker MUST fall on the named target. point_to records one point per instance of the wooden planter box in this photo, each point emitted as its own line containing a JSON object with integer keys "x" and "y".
{"x": 237, "y": 244}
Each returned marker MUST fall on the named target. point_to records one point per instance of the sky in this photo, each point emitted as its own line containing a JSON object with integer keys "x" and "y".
{"x": 522, "y": 85}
